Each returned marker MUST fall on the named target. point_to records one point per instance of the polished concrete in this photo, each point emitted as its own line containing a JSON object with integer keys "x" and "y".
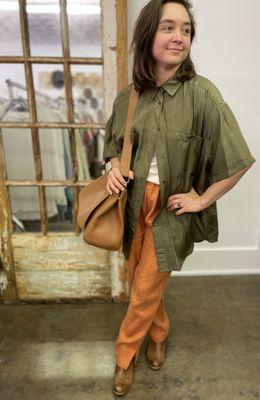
{"x": 66, "y": 351}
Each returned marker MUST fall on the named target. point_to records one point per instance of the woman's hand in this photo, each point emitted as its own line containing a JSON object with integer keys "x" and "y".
{"x": 190, "y": 202}
{"x": 116, "y": 181}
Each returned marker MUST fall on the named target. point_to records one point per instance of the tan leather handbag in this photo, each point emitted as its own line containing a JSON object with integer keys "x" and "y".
{"x": 101, "y": 216}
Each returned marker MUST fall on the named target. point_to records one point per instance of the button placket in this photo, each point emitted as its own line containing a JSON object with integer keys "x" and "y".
{"x": 159, "y": 99}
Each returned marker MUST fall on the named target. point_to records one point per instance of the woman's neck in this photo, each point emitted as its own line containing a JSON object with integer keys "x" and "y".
{"x": 162, "y": 75}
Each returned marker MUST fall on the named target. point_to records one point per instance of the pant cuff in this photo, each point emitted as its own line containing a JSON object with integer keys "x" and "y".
{"x": 124, "y": 358}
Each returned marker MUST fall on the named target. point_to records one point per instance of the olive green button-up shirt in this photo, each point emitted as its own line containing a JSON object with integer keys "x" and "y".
{"x": 197, "y": 141}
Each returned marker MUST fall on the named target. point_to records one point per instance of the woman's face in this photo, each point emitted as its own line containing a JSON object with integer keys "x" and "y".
{"x": 173, "y": 33}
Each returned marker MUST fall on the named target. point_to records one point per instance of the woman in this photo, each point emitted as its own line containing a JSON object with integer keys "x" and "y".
{"x": 188, "y": 151}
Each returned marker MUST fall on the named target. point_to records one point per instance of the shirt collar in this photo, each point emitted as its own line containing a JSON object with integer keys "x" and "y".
{"x": 170, "y": 86}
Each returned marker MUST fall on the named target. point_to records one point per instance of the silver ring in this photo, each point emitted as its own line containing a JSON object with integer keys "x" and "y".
{"x": 178, "y": 205}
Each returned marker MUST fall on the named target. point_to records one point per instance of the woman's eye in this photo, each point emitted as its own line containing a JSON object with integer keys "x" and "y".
{"x": 167, "y": 28}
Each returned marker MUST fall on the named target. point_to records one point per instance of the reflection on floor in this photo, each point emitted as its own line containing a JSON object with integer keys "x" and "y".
{"x": 66, "y": 351}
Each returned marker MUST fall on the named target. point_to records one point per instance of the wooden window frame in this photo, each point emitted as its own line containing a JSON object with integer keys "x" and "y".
{"x": 27, "y": 60}
{"x": 114, "y": 62}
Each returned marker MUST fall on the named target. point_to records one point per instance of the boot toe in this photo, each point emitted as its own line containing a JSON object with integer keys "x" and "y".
{"x": 155, "y": 363}
{"x": 123, "y": 379}
{"x": 120, "y": 389}
{"x": 155, "y": 354}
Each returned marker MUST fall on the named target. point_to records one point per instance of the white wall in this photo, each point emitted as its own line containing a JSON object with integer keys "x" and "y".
{"x": 226, "y": 51}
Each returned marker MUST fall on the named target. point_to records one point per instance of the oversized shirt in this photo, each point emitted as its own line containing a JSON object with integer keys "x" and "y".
{"x": 197, "y": 141}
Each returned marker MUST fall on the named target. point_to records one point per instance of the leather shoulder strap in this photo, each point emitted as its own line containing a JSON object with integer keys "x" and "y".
{"x": 127, "y": 147}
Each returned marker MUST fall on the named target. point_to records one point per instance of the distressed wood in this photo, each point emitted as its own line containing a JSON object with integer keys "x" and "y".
{"x": 113, "y": 23}
{"x": 51, "y": 60}
{"x": 109, "y": 41}
{"x": 33, "y": 113}
{"x": 50, "y": 125}
{"x": 60, "y": 266}
{"x": 70, "y": 111}
{"x": 9, "y": 294}
{"x": 56, "y": 286}
{"x": 119, "y": 283}
{"x": 121, "y": 22}
{"x": 46, "y": 182}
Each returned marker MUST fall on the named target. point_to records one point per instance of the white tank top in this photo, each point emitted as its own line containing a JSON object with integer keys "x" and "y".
{"x": 153, "y": 175}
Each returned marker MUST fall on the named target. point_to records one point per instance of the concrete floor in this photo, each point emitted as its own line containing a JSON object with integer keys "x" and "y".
{"x": 66, "y": 351}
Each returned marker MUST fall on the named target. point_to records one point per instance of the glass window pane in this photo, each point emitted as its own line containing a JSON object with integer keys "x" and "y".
{"x": 13, "y": 97}
{"x": 18, "y": 152}
{"x": 44, "y": 27}
{"x": 84, "y": 18}
{"x": 88, "y": 92}
{"x": 25, "y": 206}
{"x": 50, "y": 92}
{"x": 26, "y": 209}
{"x": 84, "y": 164}
{"x": 60, "y": 203}
{"x": 10, "y": 35}
{"x": 55, "y": 154}
{"x": 88, "y": 97}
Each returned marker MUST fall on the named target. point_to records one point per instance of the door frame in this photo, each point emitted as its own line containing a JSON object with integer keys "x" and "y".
{"x": 15, "y": 247}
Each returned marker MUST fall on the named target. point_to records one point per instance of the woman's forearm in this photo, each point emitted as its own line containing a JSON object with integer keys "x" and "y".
{"x": 218, "y": 189}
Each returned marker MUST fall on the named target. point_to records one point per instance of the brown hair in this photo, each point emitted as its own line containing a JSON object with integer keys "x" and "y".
{"x": 141, "y": 45}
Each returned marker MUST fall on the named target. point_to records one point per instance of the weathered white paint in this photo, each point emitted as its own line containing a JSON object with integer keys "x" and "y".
{"x": 4, "y": 239}
{"x": 109, "y": 47}
{"x": 54, "y": 285}
{"x": 59, "y": 265}
{"x": 3, "y": 281}
{"x": 118, "y": 275}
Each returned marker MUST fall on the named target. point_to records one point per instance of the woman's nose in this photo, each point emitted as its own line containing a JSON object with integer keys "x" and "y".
{"x": 177, "y": 35}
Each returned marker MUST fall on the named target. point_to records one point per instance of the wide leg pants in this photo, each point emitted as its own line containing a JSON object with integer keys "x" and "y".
{"x": 146, "y": 312}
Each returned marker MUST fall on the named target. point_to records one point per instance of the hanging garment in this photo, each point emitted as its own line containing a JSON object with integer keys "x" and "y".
{"x": 20, "y": 164}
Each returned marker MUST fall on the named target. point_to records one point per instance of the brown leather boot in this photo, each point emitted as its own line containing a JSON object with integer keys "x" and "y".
{"x": 123, "y": 378}
{"x": 155, "y": 354}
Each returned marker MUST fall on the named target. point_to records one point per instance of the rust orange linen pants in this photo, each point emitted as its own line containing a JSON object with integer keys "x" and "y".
{"x": 146, "y": 312}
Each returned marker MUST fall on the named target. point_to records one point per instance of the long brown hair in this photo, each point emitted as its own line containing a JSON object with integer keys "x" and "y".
{"x": 141, "y": 45}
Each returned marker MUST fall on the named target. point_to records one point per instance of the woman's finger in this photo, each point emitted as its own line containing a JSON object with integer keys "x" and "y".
{"x": 117, "y": 177}
{"x": 116, "y": 183}
{"x": 108, "y": 189}
{"x": 113, "y": 188}
{"x": 114, "y": 178}
{"x": 120, "y": 178}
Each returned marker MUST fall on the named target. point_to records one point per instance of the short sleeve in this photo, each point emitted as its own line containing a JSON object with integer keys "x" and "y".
{"x": 110, "y": 144}
{"x": 228, "y": 151}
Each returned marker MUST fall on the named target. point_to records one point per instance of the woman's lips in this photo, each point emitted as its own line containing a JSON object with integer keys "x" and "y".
{"x": 175, "y": 50}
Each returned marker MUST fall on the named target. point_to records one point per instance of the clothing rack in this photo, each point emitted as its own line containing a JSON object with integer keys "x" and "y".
{"x": 54, "y": 104}
{"x": 11, "y": 84}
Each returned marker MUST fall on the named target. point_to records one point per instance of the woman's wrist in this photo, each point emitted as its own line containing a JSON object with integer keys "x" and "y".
{"x": 115, "y": 162}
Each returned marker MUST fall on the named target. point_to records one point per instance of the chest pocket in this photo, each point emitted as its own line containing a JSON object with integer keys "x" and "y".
{"x": 184, "y": 153}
